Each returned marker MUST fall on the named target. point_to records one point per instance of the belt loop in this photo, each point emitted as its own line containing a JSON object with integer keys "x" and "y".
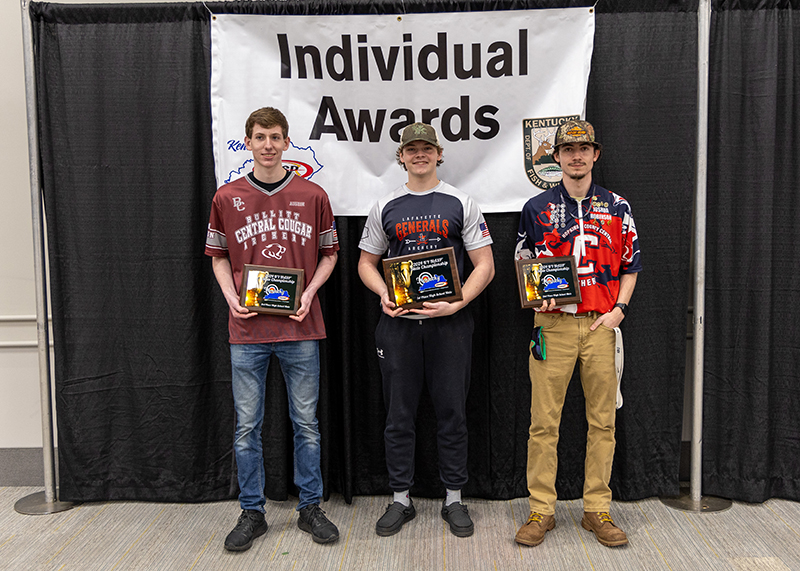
{"x": 584, "y": 315}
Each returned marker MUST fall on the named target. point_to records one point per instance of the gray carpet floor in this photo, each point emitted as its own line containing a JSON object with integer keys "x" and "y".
{"x": 136, "y": 535}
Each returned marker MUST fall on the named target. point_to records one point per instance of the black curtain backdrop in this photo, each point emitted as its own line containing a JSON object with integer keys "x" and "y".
{"x": 143, "y": 399}
{"x": 751, "y": 427}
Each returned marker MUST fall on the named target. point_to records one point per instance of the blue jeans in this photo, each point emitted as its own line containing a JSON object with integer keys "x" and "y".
{"x": 300, "y": 365}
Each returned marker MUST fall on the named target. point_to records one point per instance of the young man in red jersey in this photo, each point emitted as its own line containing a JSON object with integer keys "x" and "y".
{"x": 581, "y": 219}
{"x": 273, "y": 217}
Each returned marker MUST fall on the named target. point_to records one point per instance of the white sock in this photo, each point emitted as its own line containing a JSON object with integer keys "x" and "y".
{"x": 402, "y": 498}
{"x": 453, "y": 496}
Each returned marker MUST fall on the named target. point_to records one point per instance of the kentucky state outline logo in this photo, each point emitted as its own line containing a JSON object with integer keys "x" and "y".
{"x": 302, "y": 161}
{"x": 427, "y": 280}
{"x": 538, "y": 136}
{"x": 272, "y": 291}
{"x": 552, "y": 283}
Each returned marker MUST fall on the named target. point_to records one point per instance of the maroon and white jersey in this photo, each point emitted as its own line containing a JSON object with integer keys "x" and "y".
{"x": 288, "y": 227}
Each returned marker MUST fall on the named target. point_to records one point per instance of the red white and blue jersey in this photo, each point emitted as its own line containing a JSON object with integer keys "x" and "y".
{"x": 598, "y": 231}
{"x": 408, "y": 222}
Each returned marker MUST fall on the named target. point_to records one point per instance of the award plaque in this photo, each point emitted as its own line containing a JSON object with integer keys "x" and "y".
{"x": 266, "y": 289}
{"x": 541, "y": 279}
{"x": 417, "y": 278}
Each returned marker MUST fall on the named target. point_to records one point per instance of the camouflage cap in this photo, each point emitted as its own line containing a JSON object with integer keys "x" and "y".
{"x": 576, "y": 131}
{"x": 419, "y": 132}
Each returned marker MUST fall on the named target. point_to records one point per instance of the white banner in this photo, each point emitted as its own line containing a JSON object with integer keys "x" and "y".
{"x": 491, "y": 83}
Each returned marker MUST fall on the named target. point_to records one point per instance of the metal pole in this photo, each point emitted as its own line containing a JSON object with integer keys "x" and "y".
{"x": 703, "y": 49}
{"x": 695, "y": 501}
{"x": 46, "y": 502}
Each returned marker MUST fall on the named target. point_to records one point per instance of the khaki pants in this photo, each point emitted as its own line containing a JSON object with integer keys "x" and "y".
{"x": 568, "y": 339}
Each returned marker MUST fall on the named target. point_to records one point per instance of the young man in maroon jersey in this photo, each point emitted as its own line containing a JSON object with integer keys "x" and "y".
{"x": 272, "y": 217}
{"x": 431, "y": 345}
{"x": 581, "y": 219}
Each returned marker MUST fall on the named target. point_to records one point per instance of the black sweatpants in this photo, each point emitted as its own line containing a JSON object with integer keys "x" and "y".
{"x": 436, "y": 351}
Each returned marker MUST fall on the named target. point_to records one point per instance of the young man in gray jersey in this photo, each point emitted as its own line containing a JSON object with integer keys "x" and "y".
{"x": 433, "y": 344}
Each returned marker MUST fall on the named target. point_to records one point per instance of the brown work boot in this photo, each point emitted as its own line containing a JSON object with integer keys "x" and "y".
{"x": 532, "y": 533}
{"x": 604, "y": 529}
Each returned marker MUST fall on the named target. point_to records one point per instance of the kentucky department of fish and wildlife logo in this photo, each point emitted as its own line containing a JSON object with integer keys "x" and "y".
{"x": 538, "y": 136}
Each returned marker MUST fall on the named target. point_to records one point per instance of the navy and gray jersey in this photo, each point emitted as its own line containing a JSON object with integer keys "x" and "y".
{"x": 407, "y": 222}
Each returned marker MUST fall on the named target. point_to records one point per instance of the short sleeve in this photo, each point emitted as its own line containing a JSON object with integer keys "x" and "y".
{"x": 373, "y": 239}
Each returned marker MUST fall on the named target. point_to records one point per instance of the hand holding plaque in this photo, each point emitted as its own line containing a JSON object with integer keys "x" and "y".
{"x": 542, "y": 279}
{"x": 268, "y": 289}
{"x": 430, "y": 276}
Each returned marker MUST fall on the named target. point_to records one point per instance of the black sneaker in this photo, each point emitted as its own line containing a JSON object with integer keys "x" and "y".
{"x": 457, "y": 515}
{"x": 393, "y": 519}
{"x": 312, "y": 519}
{"x": 251, "y": 524}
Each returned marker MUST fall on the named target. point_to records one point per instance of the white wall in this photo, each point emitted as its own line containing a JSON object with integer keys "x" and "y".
{"x": 20, "y": 424}
{"x": 20, "y": 421}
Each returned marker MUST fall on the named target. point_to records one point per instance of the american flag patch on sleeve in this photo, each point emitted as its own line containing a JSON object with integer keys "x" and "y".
{"x": 484, "y": 230}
